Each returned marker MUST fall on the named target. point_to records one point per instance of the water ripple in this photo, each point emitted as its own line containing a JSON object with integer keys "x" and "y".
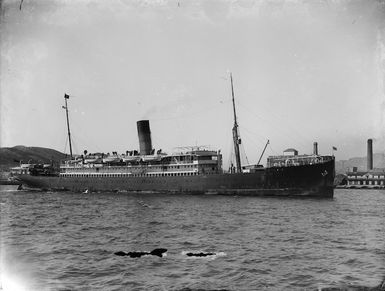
{"x": 66, "y": 241}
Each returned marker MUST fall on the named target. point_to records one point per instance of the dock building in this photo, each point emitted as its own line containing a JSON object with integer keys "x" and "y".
{"x": 371, "y": 178}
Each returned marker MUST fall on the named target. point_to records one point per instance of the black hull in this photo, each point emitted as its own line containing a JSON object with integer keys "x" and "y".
{"x": 306, "y": 181}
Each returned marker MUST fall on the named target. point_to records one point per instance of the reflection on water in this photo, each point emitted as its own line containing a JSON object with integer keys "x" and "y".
{"x": 57, "y": 241}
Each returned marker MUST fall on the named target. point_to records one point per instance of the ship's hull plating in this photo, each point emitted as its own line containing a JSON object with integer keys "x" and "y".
{"x": 309, "y": 181}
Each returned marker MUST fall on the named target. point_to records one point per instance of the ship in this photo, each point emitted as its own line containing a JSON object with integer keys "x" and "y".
{"x": 190, "y": 170}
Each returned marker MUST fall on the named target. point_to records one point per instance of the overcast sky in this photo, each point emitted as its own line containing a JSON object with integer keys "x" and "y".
{"x": 303, "y": 71}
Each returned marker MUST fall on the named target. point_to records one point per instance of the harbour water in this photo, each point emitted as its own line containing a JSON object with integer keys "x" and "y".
{"x": 66, "y": 241}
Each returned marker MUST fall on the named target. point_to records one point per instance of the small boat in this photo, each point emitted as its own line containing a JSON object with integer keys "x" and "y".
{"x": 10, "y": 184}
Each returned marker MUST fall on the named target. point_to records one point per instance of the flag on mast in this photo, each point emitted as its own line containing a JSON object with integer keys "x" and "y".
{"x": 334, "y": 148}
{"x": 66, "y": 96}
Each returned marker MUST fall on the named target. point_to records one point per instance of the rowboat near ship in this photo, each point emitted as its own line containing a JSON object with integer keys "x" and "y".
{"x": 9, "y": 185}
{"x": 195, "y": 170}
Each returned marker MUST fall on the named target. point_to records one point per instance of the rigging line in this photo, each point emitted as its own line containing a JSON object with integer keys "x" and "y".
{"x": 228, "y": 135}
{"x": 64, "y": 136}
{"x": 75, "y": 145}
{"x": 271, "y": 113}
{"x": 244, "y": 154}
{"x": 191, "y": 115}
{"x": 65, "y": 145}
{"x": 276, "y": 116}
{"x": 228, "y": 148}
{"x": 155, "y": 140}
{"x": 272, "y": 150}
{"x": 303, "y": 140}
{"x": 257, "y": 146}
{"x": 80, "y": 130}
{"x": 245, "y": 130}
{"x": 65, "y": 142}
{"x": 280, "y": 129}
{"x": 89, "y": 141}
{"x": 86, "y": 145}
{"x": 283, "y": 121}
{"x": 231, "y": 155}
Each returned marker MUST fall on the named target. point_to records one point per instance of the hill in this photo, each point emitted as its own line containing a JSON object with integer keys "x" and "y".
{"x": 11, "y": 157}
{"x": 360, "y": 162}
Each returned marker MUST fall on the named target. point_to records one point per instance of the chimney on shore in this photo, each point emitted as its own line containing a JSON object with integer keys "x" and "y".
{"x": 144, "y": 134}
{"x": 370, "y": 154}
{"x": 315, "y": 148}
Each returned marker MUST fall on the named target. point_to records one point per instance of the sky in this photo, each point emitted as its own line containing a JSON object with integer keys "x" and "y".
{"x": 303, "y": 71}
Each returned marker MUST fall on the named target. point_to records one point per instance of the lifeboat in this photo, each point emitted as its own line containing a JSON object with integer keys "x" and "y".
{"x": 130, "y": 159}
{"x": 92, "y": 160}
{"x": 111, "y": 159}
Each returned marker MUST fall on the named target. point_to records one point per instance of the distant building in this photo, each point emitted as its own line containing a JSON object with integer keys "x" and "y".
{"x": 372, "y": 178}
{"x": 366, "y": 179}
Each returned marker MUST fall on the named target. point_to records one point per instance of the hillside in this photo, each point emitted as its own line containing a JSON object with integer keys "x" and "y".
{"x": 11, "y": 157}
{"x": 360, "y": 163}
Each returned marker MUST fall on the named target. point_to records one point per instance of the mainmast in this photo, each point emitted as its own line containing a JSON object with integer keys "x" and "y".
{"x": 236, "y": 138}
{"x": 68, "y": 122}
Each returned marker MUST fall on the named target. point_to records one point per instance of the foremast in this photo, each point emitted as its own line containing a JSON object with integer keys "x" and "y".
{"x": 236, "y": 138}
{"x": 68, "y": 123}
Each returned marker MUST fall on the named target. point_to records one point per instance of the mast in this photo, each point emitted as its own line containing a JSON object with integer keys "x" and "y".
{"x": 236, "y": 138}
{"x": 68, "y": 122}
